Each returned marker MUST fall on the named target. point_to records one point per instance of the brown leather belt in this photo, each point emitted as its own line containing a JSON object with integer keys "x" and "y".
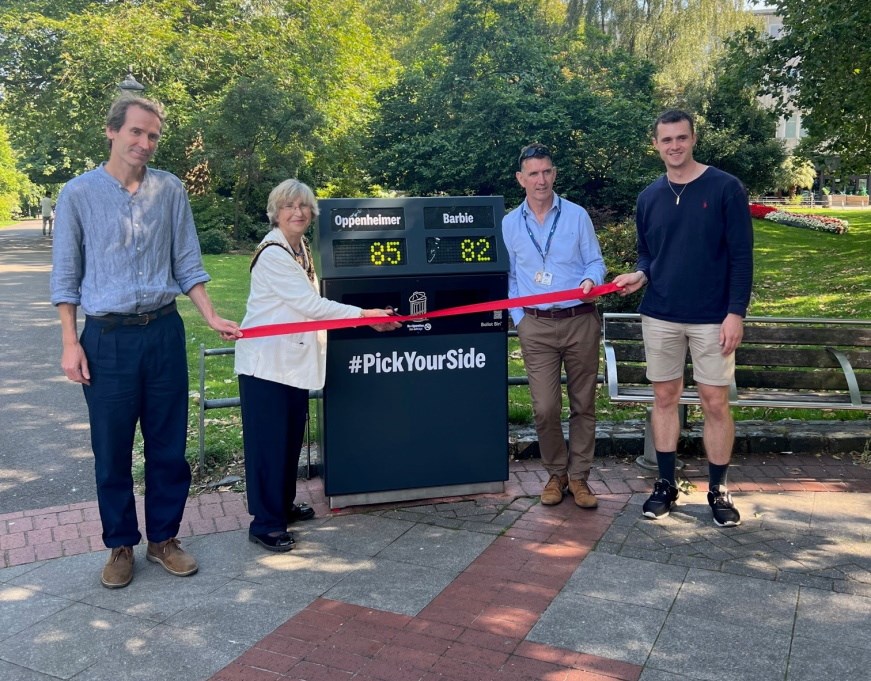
{"x": 112, "y": 320}
{"x": 561, "y": 312}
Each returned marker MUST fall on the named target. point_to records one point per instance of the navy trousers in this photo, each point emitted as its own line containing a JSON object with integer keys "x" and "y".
{"x": 273, "y": 425}
{"x": 138, "y": 374}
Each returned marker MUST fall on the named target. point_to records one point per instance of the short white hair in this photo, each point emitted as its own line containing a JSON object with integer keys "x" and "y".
{"x": 288, "y": 192}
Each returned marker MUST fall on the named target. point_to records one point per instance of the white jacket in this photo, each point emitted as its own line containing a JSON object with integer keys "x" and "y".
{"x": 280, "y": 293}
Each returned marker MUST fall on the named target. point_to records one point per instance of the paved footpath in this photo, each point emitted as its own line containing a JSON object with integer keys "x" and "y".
{"x": 490, "y": 587}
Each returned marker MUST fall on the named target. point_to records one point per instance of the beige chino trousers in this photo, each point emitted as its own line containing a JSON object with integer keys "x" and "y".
{"x": 548, "y": 345}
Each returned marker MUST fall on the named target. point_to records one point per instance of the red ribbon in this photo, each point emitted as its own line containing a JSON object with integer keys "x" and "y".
{"x": 523, "y": 301}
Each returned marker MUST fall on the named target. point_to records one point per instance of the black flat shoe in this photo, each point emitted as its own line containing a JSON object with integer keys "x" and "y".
{"x": 300, "y": 512}
{"x": 281, "y": 542}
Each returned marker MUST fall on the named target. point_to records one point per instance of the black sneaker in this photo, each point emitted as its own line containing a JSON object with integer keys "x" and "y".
{"x": 725, "y": 513}
{"x": 661, "y": 501}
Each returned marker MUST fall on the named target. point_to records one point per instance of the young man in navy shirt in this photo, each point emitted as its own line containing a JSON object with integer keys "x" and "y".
{"x": 695, "y": 255}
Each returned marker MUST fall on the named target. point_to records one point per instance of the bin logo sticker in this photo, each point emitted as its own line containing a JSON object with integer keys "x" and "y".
{"x": 417, "y": 304}
{"x": 417, "y": 308}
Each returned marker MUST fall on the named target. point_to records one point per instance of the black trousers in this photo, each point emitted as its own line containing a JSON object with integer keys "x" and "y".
{"x": 273, "y": 425}
{"x": 138, "y": 374}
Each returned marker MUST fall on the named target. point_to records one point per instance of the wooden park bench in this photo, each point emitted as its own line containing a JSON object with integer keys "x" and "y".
{"x": 782, "y": 362}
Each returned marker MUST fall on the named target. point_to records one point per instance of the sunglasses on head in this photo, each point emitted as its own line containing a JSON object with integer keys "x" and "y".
{"x": 534, "y": 151}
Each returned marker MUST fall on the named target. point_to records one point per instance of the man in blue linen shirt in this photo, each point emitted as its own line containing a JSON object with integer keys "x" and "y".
{"x": 125, "y": 246}
{"x": 552, "y": 246}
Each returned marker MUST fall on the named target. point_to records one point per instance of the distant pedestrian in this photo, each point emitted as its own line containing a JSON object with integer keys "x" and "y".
{"x": 126, "y": 246}
{"x": 552, "y": 246}
{"x": 695, "y": 254}
{"x": 46, "y": 208}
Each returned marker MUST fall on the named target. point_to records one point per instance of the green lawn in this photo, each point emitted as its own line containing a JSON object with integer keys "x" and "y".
{"x": 799, "y": 273}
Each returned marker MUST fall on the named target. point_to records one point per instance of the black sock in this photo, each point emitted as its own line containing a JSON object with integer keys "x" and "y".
{"x": 666, "y": 462}
{"x": 717, "y": 474}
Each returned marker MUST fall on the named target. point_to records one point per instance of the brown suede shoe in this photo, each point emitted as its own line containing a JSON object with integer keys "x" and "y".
{"x": 554, "y": 490}
{"x": 170, "y": 554}
{"x": 118, "y": 571}
{"x": 583, "y": 496}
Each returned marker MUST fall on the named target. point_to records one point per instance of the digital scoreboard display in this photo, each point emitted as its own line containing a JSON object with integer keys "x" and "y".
{"x": 410, "y": 236}
{"x": 454, "y": 250}
{"x": 369, "y": 253}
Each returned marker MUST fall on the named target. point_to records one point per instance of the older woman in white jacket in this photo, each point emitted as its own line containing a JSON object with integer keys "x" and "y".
{"x": 276, "y": 372}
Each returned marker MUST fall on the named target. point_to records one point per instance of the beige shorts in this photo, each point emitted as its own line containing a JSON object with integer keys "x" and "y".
{"x": 665, "y": 344}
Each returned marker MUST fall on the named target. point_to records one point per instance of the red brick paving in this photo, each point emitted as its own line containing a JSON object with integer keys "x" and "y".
{"x": 474, "y": 630}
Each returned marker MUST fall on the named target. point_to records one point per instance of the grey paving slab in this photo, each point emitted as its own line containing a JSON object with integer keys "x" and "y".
{"x": 437, "y": 547}
{"x": 10, "y": 573}
{"x": 240, "y": 613}
{"x": 713, "y": 649}
{"x": 812, "y": 660}
{"x": 363, "y": 535}
{"x": 658, "y": 675}
{"x": 164, "y": 653}
{"x": 73, "y": 639}
{"x": 392, "y": 586}
{"x": 737, "y": 600}
{"x": 24, "y": 607}
{"x": 13, "y": 671}
{"x": 155, "y": 594}
{"x": 829, "y": 616}
{"x": 626, "y": 580}
{"x": 309, "y": 567}
{"x": 74, "y": 577}
{"x": 618, "y": 631}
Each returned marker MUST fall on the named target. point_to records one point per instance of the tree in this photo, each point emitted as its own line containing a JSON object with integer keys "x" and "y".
{"x": 212, "y": 64}
{"x": 12, "y": 182}
{"x": 684, "y": 39}
{"x": 796, "y": 173}
{"x": 821, "y": 65}
{"x": 499, "y": 76}
{"x": 736, "y": 133}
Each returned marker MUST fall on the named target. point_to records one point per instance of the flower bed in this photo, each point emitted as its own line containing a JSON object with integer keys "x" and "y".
{"x": 821, "y": 223}
{"x": 758, "y": 211}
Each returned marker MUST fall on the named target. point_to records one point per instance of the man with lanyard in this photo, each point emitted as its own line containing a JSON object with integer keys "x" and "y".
{"x": 552, "y": 247}
{"x": 125, "y": 246}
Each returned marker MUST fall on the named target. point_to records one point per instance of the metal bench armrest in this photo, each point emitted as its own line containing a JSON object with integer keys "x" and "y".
{"x": 611, "y": 370}
{"x": 850, "y": 375}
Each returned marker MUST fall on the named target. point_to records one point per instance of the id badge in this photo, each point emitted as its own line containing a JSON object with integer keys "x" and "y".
{"x": 544, "y": 278}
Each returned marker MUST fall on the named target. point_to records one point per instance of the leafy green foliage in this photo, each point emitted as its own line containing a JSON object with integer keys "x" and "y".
{"x": 736, "y": 133}
{"x": 820, "y": 65}
{"x": 255, "y": 92}
{"x": 12, "y": 182}
{"x": 684, "y": 39}
{"x": 501, "y": 75}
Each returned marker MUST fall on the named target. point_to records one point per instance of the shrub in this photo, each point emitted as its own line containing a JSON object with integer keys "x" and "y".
{"x": 620, "y": 251}
{"x": 214, "y": 241}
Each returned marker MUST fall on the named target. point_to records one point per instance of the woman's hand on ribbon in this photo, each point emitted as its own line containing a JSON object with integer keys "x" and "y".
{"x": 384, "y": 326}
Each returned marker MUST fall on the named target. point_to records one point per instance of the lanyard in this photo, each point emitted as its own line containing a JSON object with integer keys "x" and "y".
{"x": 543, "y": 254}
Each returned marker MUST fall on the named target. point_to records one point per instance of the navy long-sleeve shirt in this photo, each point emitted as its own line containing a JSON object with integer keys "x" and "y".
{"x": 697, "y": 253}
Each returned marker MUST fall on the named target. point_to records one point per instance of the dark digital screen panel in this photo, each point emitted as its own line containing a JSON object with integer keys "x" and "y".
{"x": 369, "y": 253}
{"x": 467, "y": 250}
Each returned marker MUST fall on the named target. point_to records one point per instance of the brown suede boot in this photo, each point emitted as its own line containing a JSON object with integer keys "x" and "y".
{"x": 171, "y": 556}
{"x": 118, "y": 571}
{"x": 554, "y": 490}
{"x": 584, "y": 497}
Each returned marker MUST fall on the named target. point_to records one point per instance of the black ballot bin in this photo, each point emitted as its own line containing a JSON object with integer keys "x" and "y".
{"x": 422, "y": 411}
